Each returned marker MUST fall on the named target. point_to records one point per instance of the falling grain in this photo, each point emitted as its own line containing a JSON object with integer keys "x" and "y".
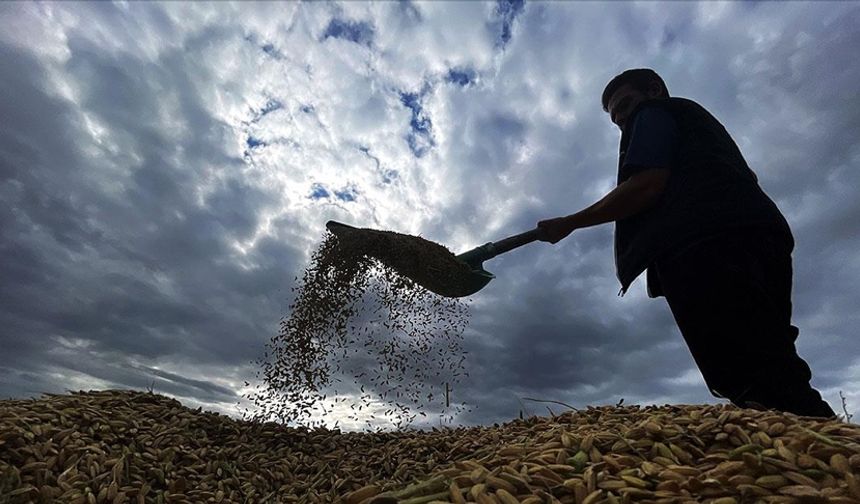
{"x": 362, "y": 333}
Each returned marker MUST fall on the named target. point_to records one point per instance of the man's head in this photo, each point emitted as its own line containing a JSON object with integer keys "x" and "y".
{"x": 630, "y": 88}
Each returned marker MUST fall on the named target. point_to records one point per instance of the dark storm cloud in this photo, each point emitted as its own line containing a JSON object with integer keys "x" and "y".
{"x": 209, "y": 390}
{"x": 560, "y": 340}
{"x": 113, "y": 249}
{"x": 809, "y": 122}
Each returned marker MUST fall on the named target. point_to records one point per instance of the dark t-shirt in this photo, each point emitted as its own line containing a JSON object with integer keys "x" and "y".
{"x": 710, "y": 190}
{"x": 653, "y": 142}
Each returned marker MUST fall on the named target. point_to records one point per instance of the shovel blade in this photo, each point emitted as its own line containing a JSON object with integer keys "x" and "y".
{"x": 477, "y": 280}
{"x": 447, "y": 276}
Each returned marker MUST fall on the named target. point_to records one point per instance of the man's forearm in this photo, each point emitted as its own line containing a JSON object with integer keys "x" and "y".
{"x": 629, "y": 198}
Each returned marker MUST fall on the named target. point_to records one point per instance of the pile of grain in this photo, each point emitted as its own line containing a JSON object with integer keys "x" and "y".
{"x": 121, "y": 446}
{"x": 361, "y": 332}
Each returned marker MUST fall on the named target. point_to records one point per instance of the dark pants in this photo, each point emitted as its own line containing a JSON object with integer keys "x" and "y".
{"x": 731, "y": 298}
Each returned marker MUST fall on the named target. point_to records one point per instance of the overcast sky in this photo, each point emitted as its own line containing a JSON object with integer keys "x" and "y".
{"x": 166, "y": 170}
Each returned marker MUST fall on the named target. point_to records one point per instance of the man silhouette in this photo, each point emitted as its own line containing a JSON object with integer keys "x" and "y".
{"x": 689, "y": 210}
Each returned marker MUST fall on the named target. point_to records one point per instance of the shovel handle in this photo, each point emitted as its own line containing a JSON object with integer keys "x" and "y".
{"x": 512, "y": 242}
{"x": 478, "y": 255}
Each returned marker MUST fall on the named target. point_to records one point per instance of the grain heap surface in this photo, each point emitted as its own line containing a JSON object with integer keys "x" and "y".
{"x": 362, "y": 333}
{"x": 122, "y": 446}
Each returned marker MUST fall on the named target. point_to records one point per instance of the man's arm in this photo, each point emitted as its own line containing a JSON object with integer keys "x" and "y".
{"x": 634, "y": 195}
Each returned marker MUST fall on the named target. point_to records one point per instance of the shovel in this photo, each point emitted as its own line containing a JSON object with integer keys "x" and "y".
{"x": 456, "y": 280}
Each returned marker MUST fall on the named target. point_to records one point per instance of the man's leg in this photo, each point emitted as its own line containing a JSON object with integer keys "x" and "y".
{"x": 731, "y": 298}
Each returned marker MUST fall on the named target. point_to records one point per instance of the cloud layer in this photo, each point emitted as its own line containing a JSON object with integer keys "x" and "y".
{"x": 166, "y": 170}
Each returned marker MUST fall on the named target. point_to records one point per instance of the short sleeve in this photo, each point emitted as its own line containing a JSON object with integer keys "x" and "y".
{"x": 653, "y": 142}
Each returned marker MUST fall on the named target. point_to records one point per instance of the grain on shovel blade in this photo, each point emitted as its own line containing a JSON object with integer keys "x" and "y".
{"x": 425, "y": 262}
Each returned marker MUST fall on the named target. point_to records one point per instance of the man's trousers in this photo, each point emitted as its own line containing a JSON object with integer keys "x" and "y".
{"x": 731, "y": 298}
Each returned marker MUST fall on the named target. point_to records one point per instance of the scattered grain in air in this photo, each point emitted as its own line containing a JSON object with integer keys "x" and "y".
{"x": 362, "y": 332}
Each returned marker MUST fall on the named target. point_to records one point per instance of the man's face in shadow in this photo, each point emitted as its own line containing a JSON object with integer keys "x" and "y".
{"x": 624, "y": 101}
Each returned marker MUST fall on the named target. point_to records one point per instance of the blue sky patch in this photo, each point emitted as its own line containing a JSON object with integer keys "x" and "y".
{"x": 348, "y": 194}
{"x": 463, "y": 77}
{"x": 419, "y": 122}
{"x": 420, "y": 137}
{"x": 360, "y": 32}
{"x": 255, "y": 142}
{"x": 507, "y": 10}
{"x": 318, "y": 191}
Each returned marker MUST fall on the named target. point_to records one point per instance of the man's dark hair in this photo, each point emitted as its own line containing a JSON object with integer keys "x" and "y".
{"x": 639, "y": 78}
